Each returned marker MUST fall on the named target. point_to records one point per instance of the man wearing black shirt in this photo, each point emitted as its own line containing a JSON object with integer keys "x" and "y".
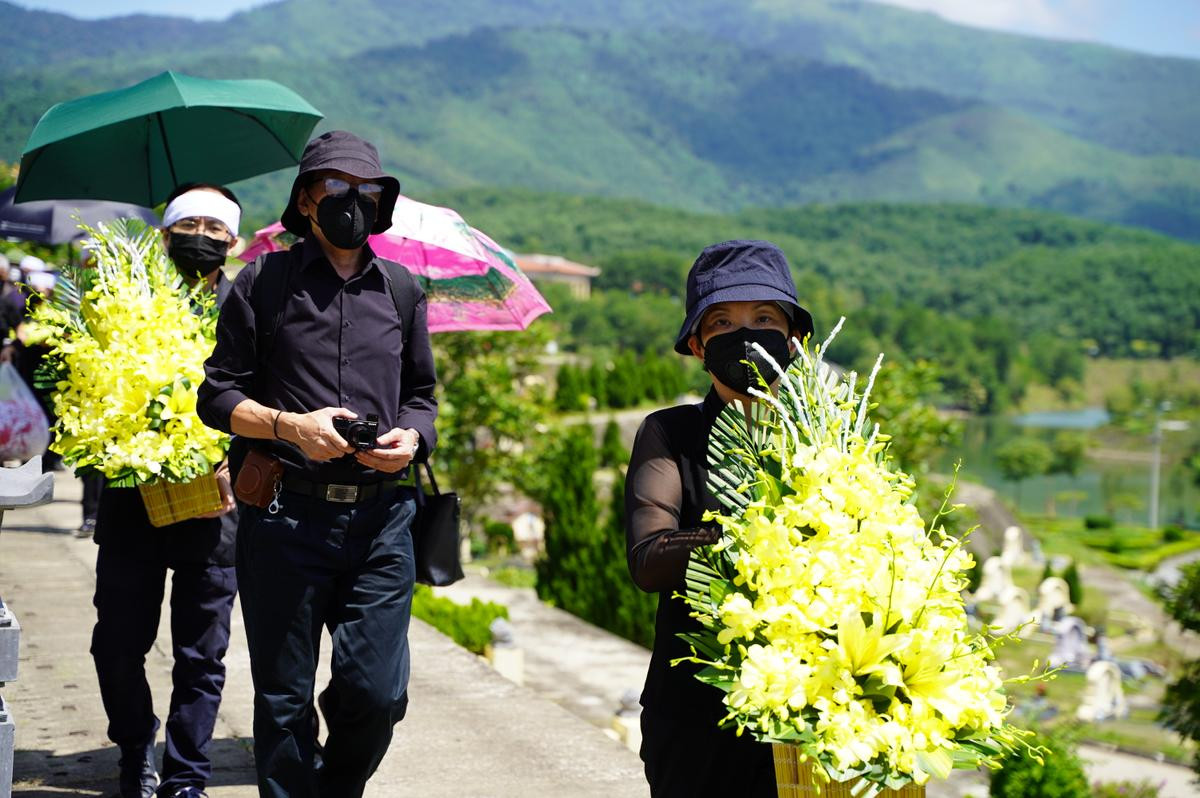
{"x": 335, "y": 548}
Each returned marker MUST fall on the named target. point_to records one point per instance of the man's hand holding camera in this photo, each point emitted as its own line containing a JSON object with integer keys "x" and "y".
{"x": 314, "y": 434}
{"x": 393, "y": 450}
{"x": 333, "y": 432}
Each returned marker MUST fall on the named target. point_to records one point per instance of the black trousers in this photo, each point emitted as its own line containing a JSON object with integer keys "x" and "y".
{"x": 696, "y": 759}
{"x": 349, "y": 568}
{"x": 129, "y": 594}
{"x": 93, "y": 486}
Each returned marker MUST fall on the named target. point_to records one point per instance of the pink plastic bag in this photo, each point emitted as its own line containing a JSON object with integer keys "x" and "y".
{"x": 24, "y": 430}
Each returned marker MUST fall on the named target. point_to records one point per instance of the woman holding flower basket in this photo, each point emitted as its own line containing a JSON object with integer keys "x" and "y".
{"x": 738, "y": 293}
{"x": 808, "y": 595}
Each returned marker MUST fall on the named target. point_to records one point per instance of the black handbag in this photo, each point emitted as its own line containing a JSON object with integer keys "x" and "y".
{"x": 435, "y": 534}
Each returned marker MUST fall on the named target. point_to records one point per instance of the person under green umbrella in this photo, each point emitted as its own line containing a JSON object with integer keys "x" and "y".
{"x": 200, "y": 226}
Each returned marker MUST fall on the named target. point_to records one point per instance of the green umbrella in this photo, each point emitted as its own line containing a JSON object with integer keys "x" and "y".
{"x": 139, "y": 143}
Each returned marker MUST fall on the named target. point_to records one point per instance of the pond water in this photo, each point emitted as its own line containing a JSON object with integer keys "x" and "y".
{"x": 1116, "y": 483}
{"x": 1087, "y": 418}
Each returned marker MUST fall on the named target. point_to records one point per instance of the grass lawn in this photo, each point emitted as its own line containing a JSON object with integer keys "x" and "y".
{"x": 1139, "y": 732}
{"x": 1103, "y": 375}
{"x": 1129, "y": 547}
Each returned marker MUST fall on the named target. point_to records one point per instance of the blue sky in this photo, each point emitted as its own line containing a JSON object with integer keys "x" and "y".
{"x": 1165, "y": 27}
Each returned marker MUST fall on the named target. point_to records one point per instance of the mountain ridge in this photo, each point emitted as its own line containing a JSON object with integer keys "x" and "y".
{"x": 675, "y": 113}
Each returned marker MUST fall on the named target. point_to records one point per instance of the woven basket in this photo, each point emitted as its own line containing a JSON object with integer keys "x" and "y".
{"x": 172, "y": 502}
{"x": 795, "y": 779}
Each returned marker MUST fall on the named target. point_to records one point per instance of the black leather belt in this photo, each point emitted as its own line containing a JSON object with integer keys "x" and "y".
{"x": 342, "y": 493}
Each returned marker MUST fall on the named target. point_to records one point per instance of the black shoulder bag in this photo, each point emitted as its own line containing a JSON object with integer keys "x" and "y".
{"x": 435, "y": 530}
{"x": 435, "y": 533}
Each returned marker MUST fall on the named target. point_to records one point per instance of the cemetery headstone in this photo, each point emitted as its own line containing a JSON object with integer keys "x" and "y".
{"x": 997, "y": 578}
{"x": 1103, "y": 697}
{"x": 1070, "y": 644}
{"x": 1054, "y": 595}
{"x": 1014, "y": 609}
{"x": 1014, "y": 548}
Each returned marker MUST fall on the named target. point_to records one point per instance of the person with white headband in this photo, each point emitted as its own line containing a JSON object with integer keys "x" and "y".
{"x": 200, "y": 226}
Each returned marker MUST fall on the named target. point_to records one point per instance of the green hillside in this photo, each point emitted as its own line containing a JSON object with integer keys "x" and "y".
{"x": 1124, "y": 100}
{"x": 996, "y": 299}
{"x": 1048, "y": 273}
{"x": 675, "y": 113}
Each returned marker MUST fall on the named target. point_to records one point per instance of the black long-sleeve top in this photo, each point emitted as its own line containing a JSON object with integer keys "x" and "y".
{"x": 338, "y": 344}
{"x": 666, "y": 496}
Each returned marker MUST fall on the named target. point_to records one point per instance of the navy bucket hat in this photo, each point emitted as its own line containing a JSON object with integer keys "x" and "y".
{"x": 344, "y": 152}
{"x": 740, "y": 271}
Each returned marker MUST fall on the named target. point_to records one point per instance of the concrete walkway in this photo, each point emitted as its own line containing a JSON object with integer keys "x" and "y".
{"x": 469, "y": 732}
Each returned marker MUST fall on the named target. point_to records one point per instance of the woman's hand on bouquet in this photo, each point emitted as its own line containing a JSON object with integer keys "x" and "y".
{"x": 225, "y": 486}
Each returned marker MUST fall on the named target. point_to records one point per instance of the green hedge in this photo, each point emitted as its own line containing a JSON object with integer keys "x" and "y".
{"x": 466, "y": 624}
{"x": 1149, "y": 560}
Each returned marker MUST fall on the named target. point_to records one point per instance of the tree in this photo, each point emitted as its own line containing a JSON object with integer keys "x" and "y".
{"x": 1181, "y": 703}
{"x": 1193, "y": 464}
{"x": 570, "y": 392}
{"x": 1068, "y": 449}
{"x": 8, "y": 174}
{"x": 597, "y": 383}
{"x": 904, "y": 395}
{"x": 566, "y": 573}
{"x": 584, "y": 569}
{"x": 491, "y": 403}
{"x": 1022, "y": 458}
{"x": 630, "y": 610}
{"x": 612, "y": 451}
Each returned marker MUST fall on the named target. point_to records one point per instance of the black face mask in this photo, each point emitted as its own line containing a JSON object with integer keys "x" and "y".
{"x": 196, "y": 255}
{"x": 724, "y": 353}
{"x": 347, "y": 220}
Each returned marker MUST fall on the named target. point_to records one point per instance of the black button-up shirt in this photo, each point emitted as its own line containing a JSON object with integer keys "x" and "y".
{"x": 339, "y": 344}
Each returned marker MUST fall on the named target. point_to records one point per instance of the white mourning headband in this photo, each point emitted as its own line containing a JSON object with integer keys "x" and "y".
{"x": 203, "y": 202}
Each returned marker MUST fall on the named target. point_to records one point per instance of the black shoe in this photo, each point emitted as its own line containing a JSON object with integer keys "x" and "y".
{"x": 139, "y": 777}
{"x": 189, "y": 792}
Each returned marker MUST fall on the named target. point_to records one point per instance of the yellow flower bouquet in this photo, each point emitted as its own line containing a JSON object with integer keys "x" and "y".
{"x": 128, "y": 340}
{"x": 832, "y": 616}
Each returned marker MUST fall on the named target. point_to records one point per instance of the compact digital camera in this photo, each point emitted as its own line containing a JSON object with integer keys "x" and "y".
{"x": 358, "y": 432}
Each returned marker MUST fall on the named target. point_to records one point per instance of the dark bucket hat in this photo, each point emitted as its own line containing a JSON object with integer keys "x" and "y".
{"x": 740, "y": 271}
{"x": 347, "y": 153}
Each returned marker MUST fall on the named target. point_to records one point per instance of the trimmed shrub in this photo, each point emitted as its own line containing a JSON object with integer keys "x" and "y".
{"x": 1074, "y": 585}
{"x": 1126, "y": 789}
{"x": 1059, "y": 775}
{"x": 465, "y": 624}
{"x": 1097, "y": 522}
{"x": 499, "y": 536}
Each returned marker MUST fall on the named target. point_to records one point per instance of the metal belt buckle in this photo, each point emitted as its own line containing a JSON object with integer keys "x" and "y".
{"x": 344, "y": 494}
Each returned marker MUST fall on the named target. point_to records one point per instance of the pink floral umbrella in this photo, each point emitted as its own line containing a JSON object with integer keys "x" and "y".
{"x": 471, "y": 282}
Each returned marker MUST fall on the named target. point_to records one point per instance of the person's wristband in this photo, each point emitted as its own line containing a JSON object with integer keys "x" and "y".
{"x": 275, "y": 425}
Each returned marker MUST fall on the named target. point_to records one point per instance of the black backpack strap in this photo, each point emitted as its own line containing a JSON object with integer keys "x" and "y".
{"x": 268, "y": 296}
{"x": 403, "y": 287}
